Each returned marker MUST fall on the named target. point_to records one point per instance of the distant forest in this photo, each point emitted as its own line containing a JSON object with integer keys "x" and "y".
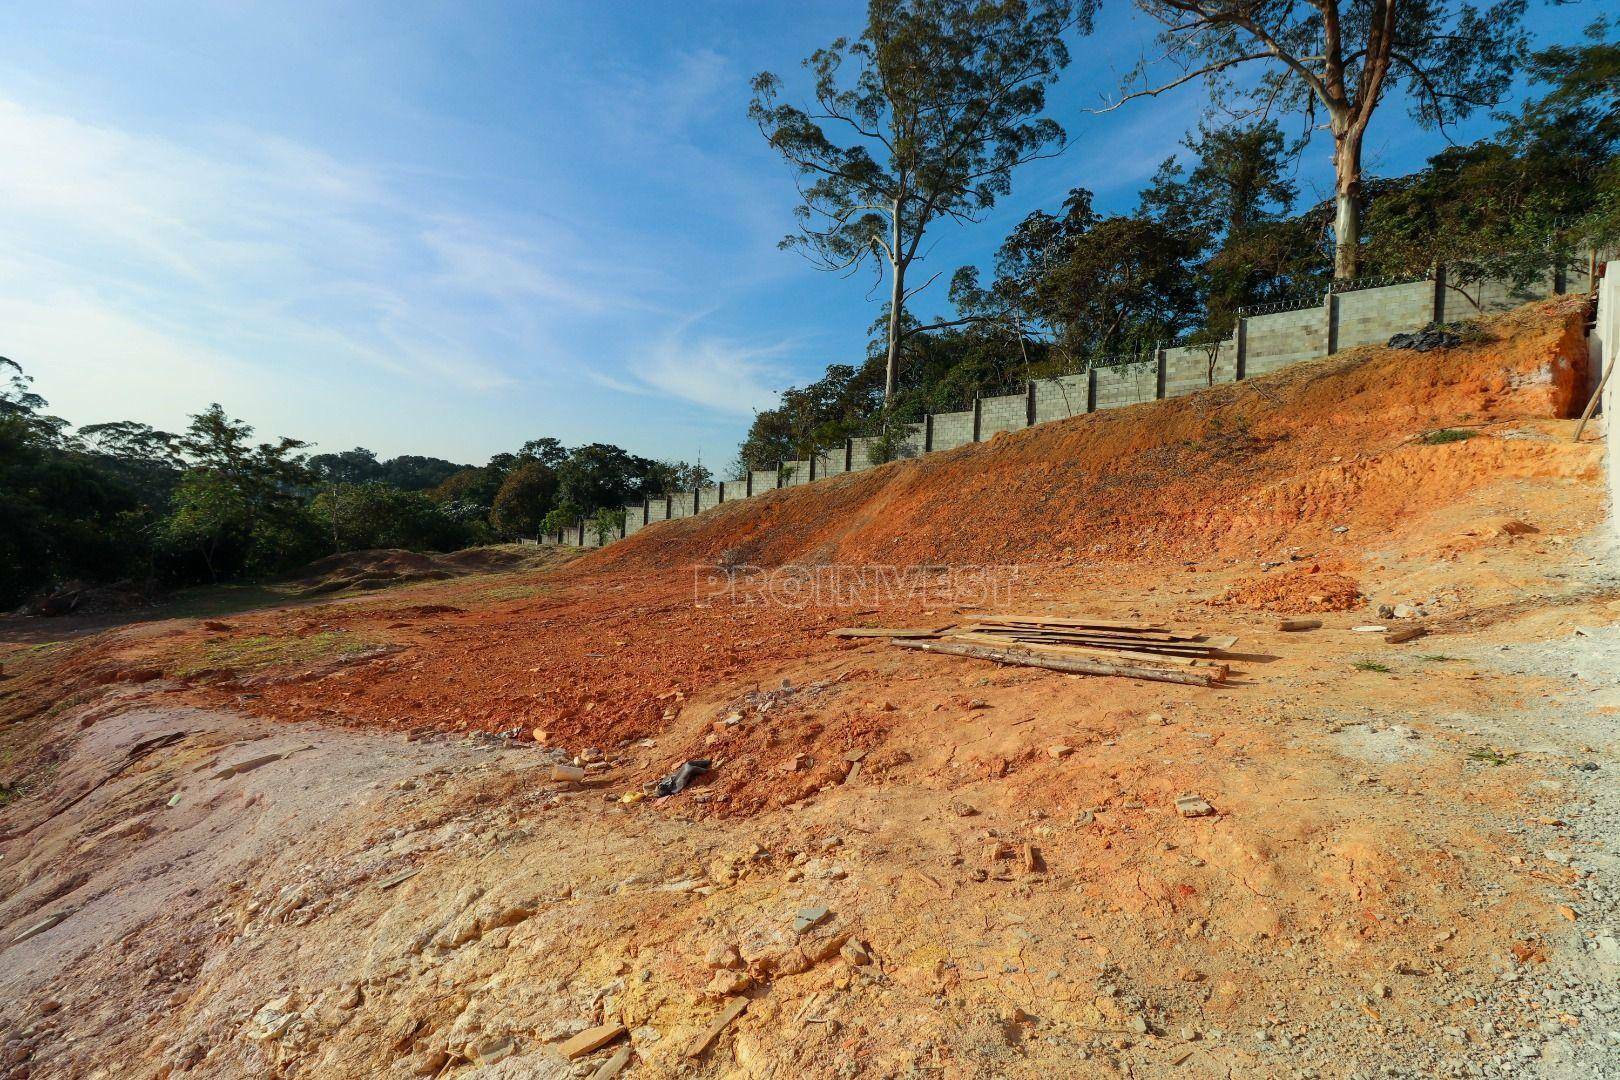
{"x": 1219, "y": 227}
{"x": 125, "y": 502}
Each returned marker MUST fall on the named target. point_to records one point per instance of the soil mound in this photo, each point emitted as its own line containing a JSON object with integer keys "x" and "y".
{"x": 382, "y": 568}
{"x": 1297, "y": 457}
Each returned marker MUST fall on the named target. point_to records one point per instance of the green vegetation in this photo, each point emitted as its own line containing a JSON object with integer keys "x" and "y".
{"x": 1490, "y": 755}
{"x": 1447, "y": 435}
{"x": 125, "y": 502}
{"x": 264, "y": 651}
{"x": 1223, "y": 226}
{"x": 1371, "y": 665}
{"x": 1437, "y": 658}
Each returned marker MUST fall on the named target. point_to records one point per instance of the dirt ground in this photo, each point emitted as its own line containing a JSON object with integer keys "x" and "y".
{"x": 324, "y": 840}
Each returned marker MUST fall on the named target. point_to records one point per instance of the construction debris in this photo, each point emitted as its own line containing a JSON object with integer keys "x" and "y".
{"x": 591, "y": 1039}
{"x": 883, "y": 632}
{"x": 1290, "y": 626}
{"x": 1084, "y": 646}
{"x": 1408, "y": 633}
{"x": 733, "y": 1009}
{"x": 677, "y": 781}
{"x": 1193, "y": 806}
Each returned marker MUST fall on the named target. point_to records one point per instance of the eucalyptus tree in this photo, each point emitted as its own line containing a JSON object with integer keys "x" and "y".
{"x": 1334, "y": 62}
{"x": 922, "y": 118}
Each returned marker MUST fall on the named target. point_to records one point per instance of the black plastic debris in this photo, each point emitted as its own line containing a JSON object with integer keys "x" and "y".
{"x": 677, "y": 781}
{"x": 1425, "y": 340}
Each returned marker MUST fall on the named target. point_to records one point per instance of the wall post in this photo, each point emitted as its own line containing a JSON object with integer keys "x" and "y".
{"x": 976, "y": 400}
{"x": 1029, "y": 404}
{"x": 1439, "y": 313}
{"x": 1240, "y": 339}
{"x": 1091, "y": 390}
{"x": 1159, "y": 364}
{"x": 697, "y": 499}
{"x": 928, "y": 433}
{"x": 849, "y": 454}
{"x": 1330, "y": 311}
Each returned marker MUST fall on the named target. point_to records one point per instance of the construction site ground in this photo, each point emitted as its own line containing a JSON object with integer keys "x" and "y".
{"x": 322, "y": 839}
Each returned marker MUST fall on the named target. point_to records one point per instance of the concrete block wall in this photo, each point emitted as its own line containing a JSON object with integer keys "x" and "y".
{"x": 830, "y": 462}
{"x": 1263, "y": 343}
{"x": 1469, "y": 300}
{"x": 860, "y": 452}
{"x": 1286, "y": 337}
{"x": 912, "y": 445}
{"x": 1187, "y": 368}
{"x": 1061, "y": 398}
{"x": 1127, "y": 384}
{"x": 632, "y": 518}
{"x": 1371, "y": 316}
{"x": 1006, "y": 412}
{"x": 952, "y": 429}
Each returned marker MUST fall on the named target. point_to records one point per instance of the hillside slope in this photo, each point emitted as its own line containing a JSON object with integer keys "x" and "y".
{"x": 1274, "y": 460}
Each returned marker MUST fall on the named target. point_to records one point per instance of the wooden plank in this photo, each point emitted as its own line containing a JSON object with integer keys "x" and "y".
{"x": 734, "y": 1006}
{"x": 1055, "y": 620}
{"x": 1175, "y": 648}
{"x": 614, "y": 1065}
{"x": 879, "y": 631}
{"x": 1211, "y": 675}
{"x": 1100, "y": 631}
{"x": 1163, "y": 659}
{"x": 591, "y": 1039}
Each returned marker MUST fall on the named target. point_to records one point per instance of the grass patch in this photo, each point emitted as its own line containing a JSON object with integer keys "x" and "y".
{"x": 266, "y": 651}
{"x": 1371, "y": 665}
{"x": 1437, "y": 658}
{"x": 1447, "y": 435}
{"x": 1490, "y": 755}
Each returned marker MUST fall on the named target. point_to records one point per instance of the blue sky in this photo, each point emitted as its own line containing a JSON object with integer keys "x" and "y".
{"x": 447, "y": 228}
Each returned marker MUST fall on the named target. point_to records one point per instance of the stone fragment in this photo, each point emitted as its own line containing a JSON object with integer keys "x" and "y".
{"x": 1192, "y": 806}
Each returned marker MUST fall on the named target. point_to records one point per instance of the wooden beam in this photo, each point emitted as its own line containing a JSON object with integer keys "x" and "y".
{"x": 1213, "y": 675}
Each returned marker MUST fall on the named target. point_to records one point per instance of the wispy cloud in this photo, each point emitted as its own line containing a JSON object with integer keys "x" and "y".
{"x": 237, "y": 248}
{"x": 726, "y": 376}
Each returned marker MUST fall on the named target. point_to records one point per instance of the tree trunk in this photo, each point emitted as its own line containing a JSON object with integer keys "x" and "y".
{"x": 897, "y": 299}
{"x": 891, "y": 374}
{"x": 1347, "y": 201}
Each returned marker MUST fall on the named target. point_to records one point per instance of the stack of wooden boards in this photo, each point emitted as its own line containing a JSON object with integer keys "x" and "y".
{"x": 1084, "y": 646}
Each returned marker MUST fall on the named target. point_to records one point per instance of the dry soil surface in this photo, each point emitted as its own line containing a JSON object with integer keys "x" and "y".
{"x": 325, "y": 841}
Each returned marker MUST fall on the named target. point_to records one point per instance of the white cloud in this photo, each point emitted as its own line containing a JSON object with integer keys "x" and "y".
{"x": 723, "y": 375}
{"x": 252, "y": 248}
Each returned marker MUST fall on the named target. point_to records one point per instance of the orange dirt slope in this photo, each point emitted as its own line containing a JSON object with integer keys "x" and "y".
{"x": 1236, "y": 468}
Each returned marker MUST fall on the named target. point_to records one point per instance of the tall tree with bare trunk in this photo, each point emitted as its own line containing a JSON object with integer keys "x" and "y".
{"x": 921, "y": 118}
{"x": 1333, "y": 62}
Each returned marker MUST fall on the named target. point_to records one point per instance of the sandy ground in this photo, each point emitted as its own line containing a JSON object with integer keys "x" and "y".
{"x": 323, "y": 841}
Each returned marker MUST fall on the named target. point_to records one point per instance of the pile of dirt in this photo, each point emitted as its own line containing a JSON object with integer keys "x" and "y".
{"x": 381, "y": 568}
{"x": 1236, "y": 469}
{"x": 1305, "y": 589}
{"x": 82, "y": 598}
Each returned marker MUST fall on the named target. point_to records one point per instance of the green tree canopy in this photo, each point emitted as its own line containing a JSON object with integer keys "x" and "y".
{"x": 923, "y": 117}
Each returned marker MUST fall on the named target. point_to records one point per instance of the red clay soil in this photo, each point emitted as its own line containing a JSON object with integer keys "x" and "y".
{"x": 1304, "y": 589}
{"x": 614, "y": 648}
{"x": 1235, "y": 469}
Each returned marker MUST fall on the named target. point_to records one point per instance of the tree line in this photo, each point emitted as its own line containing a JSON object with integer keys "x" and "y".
{"x": 890, "y": 143}
{"x": 125, "y": 501}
